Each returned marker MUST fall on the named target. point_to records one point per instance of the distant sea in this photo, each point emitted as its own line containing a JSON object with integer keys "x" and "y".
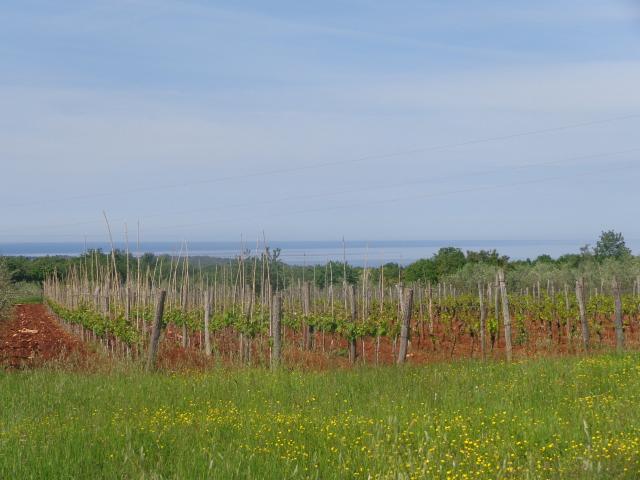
{"x": 373, "y": 253}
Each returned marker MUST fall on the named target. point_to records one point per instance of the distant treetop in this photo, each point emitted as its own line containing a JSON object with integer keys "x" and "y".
{"x": 611, "y": 245}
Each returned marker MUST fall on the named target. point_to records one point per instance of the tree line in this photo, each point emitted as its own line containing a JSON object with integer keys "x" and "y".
{"x": 447, "y": 264}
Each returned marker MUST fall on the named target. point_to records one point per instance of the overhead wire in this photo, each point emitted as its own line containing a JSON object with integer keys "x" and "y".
{"x": 319, "y": 165}
{"x": 606, "y": 170}
{"x": 476, "y": 173}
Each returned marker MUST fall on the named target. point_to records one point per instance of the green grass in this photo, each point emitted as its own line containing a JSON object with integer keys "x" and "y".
{"x": 551, "y": 418}
{"x": 24, "y": 292}
{"x": 26, "y": 299}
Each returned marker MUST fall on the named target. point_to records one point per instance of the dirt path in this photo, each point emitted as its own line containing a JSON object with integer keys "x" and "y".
{"x": 33, "y": 337}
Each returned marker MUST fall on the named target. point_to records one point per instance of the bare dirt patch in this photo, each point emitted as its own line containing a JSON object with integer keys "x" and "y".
{"x": 32, "y": 337}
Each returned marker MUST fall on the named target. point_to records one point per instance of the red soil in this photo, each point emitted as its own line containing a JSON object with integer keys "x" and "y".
{"x": 33, "y": 337}
{"x": 541, "y": 339}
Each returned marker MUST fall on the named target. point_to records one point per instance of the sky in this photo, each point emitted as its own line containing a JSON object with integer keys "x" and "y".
{"x": 364, "y": 119}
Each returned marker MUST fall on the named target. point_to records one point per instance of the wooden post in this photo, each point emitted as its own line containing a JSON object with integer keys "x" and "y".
{"x": 618, "y": 314}
{"x": 406, "y": 325}
{"x": 127, "y": 304}
{"x": 155, "y": 333}
{"x": 276, "y": 347}
{"x": 583, "y": 313}
{"x": 496, "y": 309}
{"x": 96, "y": 298}
{"x": 185, "y": 331}
{"x": 306, "y": 310}
{"x": 207, "y": 316}
{"x": 505, "y": 314}
{"x": 483, "y": 319}
{"x": 567, "y": 306}
{"x": 354, "y": 315}
{"x": 430, "y": 293}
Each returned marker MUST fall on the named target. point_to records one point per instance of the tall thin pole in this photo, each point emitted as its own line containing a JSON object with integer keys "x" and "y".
{"x": 505, "y": 314}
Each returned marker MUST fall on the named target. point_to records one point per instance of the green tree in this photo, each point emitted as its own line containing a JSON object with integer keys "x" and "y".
{"x": 470, "y": 275}
{"x": 488, "y": 257}
{"x": 392, "y": 271}
{"x": 423, "y": 270}
{"x": 335, "y": 271}
{"x": 448, "y": 260}
{"x": 571, "y": 260}
{"x": 5, "y": 285}
{"x": 611, "y": 245}
{"x": 544, "y": 258}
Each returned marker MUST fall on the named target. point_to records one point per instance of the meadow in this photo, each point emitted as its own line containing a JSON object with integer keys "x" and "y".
{"x": 569, "y": 417}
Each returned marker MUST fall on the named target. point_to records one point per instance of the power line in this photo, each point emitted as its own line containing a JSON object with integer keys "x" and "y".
{"x": 367, "y": 188}
{"x": 420, "y": 196}
{"x": 398, "y": 185}
{"x": 335, "y": 163}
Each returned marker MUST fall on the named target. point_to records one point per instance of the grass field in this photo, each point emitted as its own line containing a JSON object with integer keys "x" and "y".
{"x": 548, "y": 418}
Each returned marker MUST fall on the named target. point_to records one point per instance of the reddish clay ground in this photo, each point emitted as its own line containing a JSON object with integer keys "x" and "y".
{"x": 33, "y": 337}
{"x": 444, "y": 345}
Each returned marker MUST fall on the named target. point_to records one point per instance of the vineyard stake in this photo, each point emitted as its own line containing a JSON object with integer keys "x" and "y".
{"x": 406, "y": 322}
{"x": 618, "y": 314}
{"x": 275, "y": 332}
{"x": 505, "y": 314}
{"x": 483, "y": 317}
{"x": 157, "y": 329}
{"x": 583, "y": 314}
{"x": 207, "y": 315}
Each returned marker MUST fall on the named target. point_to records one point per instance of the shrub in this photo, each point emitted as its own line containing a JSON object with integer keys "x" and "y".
{"x": 5, "y": 286}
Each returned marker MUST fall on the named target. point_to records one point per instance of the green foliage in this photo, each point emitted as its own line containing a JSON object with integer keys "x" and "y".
{"x": 442, "y": 265}
{"x": 332, "y": 273}
{"x": 544, "y": 259}
{"x": 564, "y": 418}
{"x": 448, "y": 260}
{"x": 12, "y": 292}
{"x": 611, "y": 245}
{"x": 5, "y": 286}
{"x": 468, "y": 277}
{"x": 26, "y": 292}
{"x": 488, "y": 257}
{"x": 25, "y": 269}
{"x": 115, "y": 325}
{"x": 423, "y": 270}
{"x": 571, "y": 260}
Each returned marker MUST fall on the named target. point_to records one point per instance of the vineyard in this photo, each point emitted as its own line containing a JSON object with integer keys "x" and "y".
{"x": 251, "y": 369}
{"x": 242, "y": 315}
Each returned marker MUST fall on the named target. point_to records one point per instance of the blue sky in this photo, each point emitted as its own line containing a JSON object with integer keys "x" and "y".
{"x": 316, "y": 120}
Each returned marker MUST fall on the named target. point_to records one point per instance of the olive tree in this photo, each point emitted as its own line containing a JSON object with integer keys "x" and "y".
{"x": 5, "y": 285}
